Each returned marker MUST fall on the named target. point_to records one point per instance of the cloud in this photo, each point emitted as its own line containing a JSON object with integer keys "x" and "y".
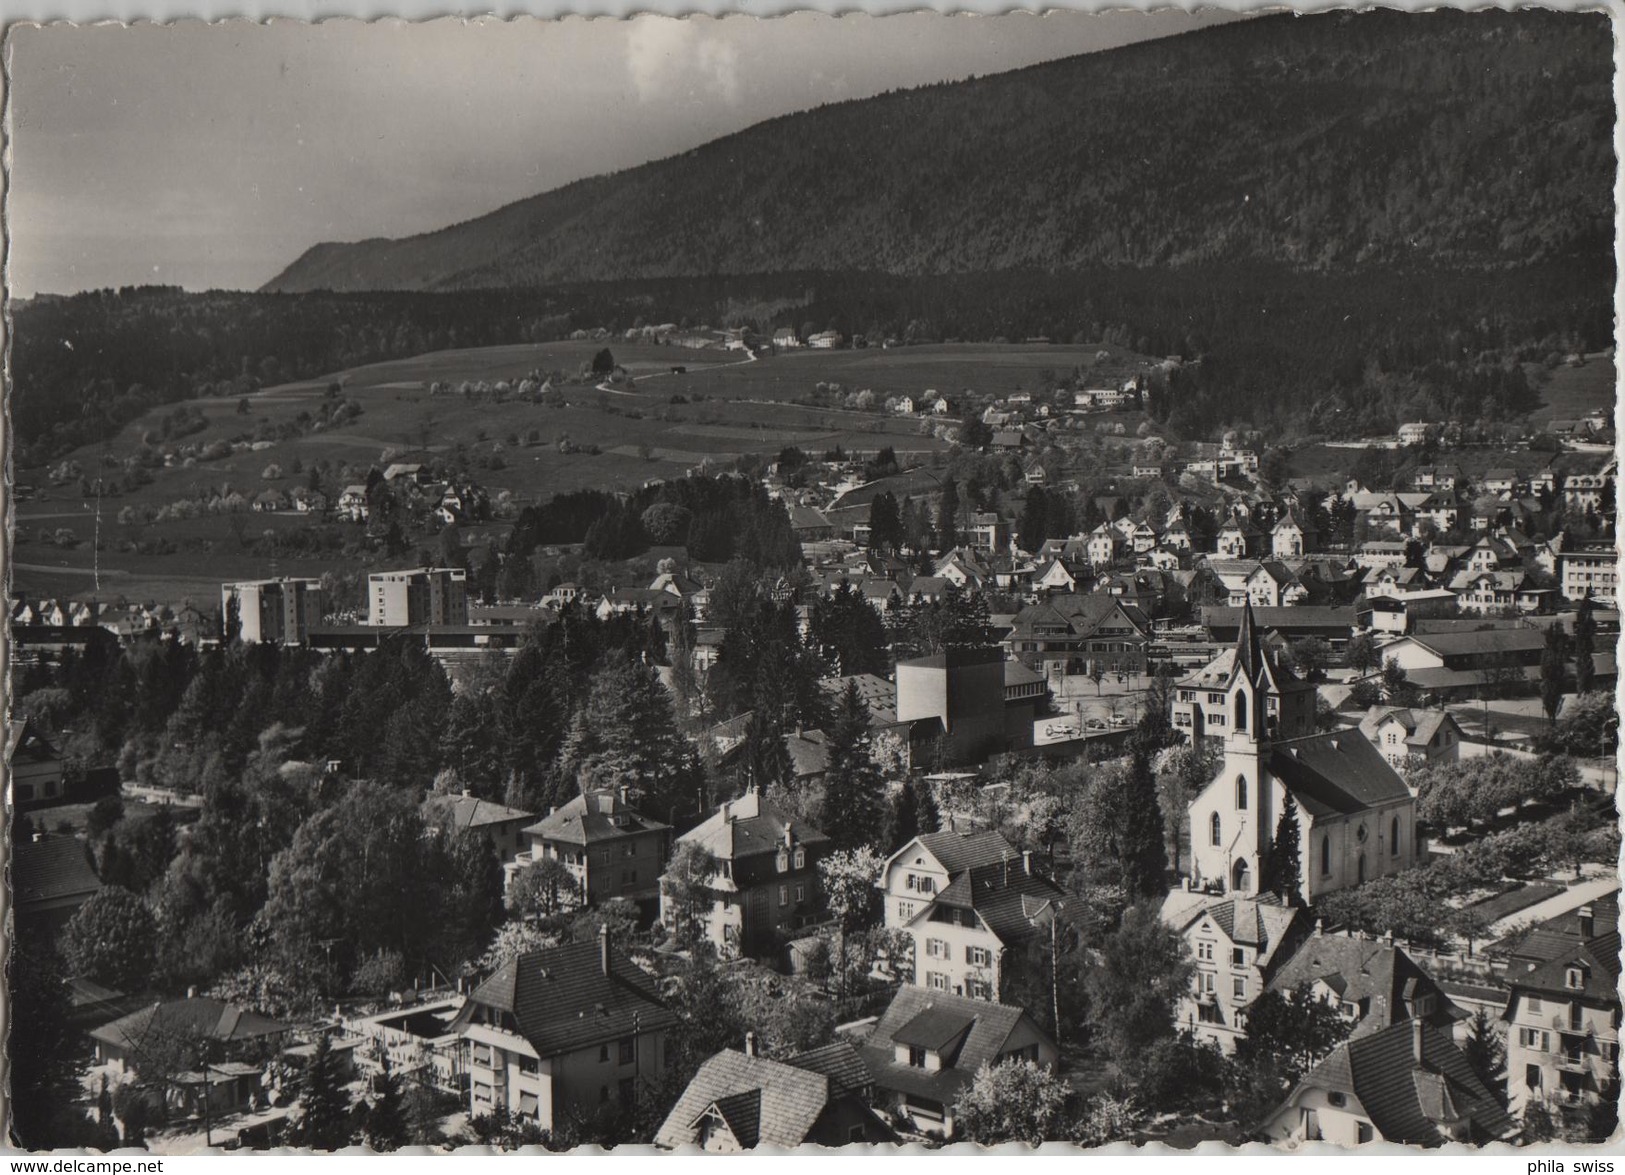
{"x": 668, "y": 57}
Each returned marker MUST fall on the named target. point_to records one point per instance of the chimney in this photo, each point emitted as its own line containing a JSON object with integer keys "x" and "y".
{"x": 1027, "y": 862}
{"x": 1320, "y": 927}
{"x": 1416, "y": 1040}
{"x": 789, "y": 836}
{"x": 1587, "y": 923}
{"x": 191, "y": 993}
{"x": 750, "y": 1044}
{"x": 603, "y": 949}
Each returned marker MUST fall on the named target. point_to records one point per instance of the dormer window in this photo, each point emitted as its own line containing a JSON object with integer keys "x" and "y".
{"x": 1575, "y": 978}
{"x": 783, "y": 862}
{"x": 801, "y": 858}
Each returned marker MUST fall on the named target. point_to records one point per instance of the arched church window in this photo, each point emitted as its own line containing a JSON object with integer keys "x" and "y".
{"x": 1214, "y": 833}
{"x": 1241, "y": 709}
{"x": 1241, "y": 792}
{"x": 1325, "y": 855}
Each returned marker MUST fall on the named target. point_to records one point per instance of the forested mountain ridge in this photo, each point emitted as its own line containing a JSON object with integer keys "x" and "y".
{"x": 1325, "y": 143}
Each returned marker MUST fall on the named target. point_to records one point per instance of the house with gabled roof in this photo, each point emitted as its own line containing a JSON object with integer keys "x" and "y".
{"x": 1408, "y": 1083}
{"x": 1102, "y": 546}
{"x": 1053, "y": 575}
{"x": 353, "y": 504}
{"x": 169, "y": 1037}
{"x": 1410, "y": 737}
{"x": 1356, "y": 818}
{"x": 766, "y": 879}
{"x": 1076, "y": 629}
{"x": 51, "y": 877}
{"x": 740, "y": 1100}
{"x": 1290, "y": 539}
{"x": 500, "y": 825}
{"x": 968, "y": 938}
{"x": 1563, "y": 1012}
{"x": 927, "y": 1046}
{"x": 1236, "y": 944}
{"x": 610, "y": 848}
{"x": 1371, "y": 982}
{"x": 1272, "y": 585}
{"x": 34, "y": 765}
{"x": 1239, "y": 539}
{"x": 924, "y": 867}
{"x": 555, "y": 1034}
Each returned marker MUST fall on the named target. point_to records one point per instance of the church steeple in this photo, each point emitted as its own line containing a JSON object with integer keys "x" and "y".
{"x": 1249, "y": 654}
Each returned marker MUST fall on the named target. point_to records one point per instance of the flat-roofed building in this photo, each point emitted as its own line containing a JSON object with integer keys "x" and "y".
{"x": 427, "y": 595}
{"x": 272, "y": 611}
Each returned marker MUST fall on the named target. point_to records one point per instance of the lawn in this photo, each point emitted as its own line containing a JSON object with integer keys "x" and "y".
{"x": 1521, "y": 898}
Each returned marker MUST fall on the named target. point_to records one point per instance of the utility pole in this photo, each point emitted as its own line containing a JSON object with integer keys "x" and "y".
{"x": 203, "y": 1056}
{"x": 1055, "y": 972}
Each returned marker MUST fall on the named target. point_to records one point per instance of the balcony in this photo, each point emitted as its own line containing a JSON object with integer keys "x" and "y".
{"x": 1568, "y": 1027}
{"x": 1573, "y": 1062}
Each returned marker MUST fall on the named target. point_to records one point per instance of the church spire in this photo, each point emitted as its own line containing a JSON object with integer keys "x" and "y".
{"x": 1249, "y": 654}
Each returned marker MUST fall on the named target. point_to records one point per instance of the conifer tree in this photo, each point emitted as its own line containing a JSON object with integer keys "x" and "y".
{"x": 1143, "y": 859}
{"x": 1284, "y": 865}
{"x": 905, "y": 817}
{"x": 930, "y": 815}
{"x": 386, "y": 1127}
{"x": 853, "y": 807}
{"x": 948, "y": 515}
{"x": 324, "y": 1122}
{"x": 1584, "y": 645}
{"x": 765, "y": 762}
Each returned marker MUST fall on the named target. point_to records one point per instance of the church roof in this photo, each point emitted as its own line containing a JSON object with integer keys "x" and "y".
{"x": 1335, "y": 772}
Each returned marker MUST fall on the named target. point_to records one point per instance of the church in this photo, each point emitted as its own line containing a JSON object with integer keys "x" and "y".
{"x": 1356, "y": 818}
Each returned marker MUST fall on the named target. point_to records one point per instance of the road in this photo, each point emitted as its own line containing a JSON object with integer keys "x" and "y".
{"x": 604, "y": 387}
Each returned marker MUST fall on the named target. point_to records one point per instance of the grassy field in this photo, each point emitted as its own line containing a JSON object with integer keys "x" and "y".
{"x": 1571, "y": 392}
{"x": 726, "y": 406}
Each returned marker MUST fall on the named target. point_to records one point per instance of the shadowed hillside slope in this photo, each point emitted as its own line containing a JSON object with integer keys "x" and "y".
{"x": 1322, "y": 143}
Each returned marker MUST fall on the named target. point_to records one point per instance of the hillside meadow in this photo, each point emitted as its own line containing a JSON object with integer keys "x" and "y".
{"x": 726, "y": 407}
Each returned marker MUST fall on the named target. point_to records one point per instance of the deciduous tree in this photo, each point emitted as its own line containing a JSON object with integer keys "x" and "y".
{"x": 1013, "y": 1101}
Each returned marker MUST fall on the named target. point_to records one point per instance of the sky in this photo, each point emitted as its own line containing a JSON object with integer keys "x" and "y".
{"x": 211, "y": 156}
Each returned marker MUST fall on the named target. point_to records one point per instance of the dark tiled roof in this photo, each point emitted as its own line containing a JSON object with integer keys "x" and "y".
{"x": 1338, "y": 771}
{"x": 748, "y": 826}
{"x": 1005, "y": 896}
{"x": 743, "y": 1114}
{"x": 462, "y": 811}
{"x": 991, "y": 1024}
{"x": 961, "y": 851}
{"x": 840, "y": 1062}
{"x": 937, "y": 1029}
{"x": 1303, "y": 616}
{"x": 1541, "y": 960}
{"x": 591, "y": 819}
{"x": 773, "y": 1102}
{"x": 1409, "y": 1100}
{"x": 197, "y": 1018}
{"x": 561, "y": 999}
{"x": 1493, "y": 640}
{"x": 1360, "y": 969}
{"x": 52, "y": 867}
